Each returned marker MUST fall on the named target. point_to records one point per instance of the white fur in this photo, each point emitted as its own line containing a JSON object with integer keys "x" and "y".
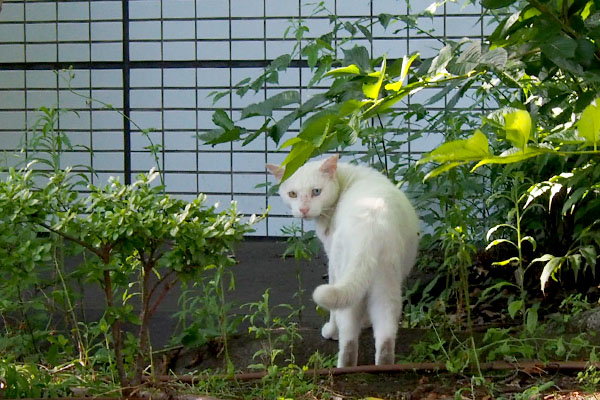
{"x": 370, "y": 233}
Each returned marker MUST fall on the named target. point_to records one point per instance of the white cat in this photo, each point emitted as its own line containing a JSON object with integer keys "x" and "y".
{"x": 370, "y": 232}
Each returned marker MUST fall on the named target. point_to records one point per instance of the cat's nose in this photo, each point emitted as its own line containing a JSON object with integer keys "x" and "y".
{"x": 304, "y": 210}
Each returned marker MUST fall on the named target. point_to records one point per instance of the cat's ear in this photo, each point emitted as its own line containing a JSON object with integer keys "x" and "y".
{"x": 329, "y": 166}
{"x": 276, "y": 170}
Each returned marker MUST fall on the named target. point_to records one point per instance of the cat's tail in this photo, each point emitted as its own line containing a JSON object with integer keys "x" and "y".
{"x": 357, "y": 275}
{"x": 349, "y": 290}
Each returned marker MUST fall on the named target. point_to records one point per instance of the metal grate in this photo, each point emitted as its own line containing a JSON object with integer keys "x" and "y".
{"x": 157, "y": 61}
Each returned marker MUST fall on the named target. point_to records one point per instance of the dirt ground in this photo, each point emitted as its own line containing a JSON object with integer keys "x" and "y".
{"x": 407, "y": 385}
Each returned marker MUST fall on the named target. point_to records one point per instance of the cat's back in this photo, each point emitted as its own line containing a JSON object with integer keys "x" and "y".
{"x": 369, "y": 195}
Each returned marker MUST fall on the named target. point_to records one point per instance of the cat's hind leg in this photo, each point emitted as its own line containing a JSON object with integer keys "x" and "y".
{"x": 349, "y": 321}
{"x": 385, "y": 316}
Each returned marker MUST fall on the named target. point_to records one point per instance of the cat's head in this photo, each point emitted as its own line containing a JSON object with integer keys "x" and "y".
{"x": 312, "y": 190}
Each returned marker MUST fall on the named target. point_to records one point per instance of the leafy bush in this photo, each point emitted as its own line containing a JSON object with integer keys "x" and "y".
{"x": 138, "y": 243}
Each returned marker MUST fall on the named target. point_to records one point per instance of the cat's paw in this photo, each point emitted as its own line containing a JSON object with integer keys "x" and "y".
{"x": 329, "y": 331}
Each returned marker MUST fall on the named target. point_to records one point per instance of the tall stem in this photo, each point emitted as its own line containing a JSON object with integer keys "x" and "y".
{"x": 116, "y": 331}
{"x": 147, "y": 266}
{"x": 520, "y": 269}
{"x": 58, "y": 261}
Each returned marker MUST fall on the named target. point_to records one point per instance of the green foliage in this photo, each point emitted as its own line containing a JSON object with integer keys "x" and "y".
{"x": 300, "y": 244}
{"x": 278, "y": 331}
{"x": 518, "y": 168}
{"x": 130, "y": 233}
{"x": 589, "y": 379}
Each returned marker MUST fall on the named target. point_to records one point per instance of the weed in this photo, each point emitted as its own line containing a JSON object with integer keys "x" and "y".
{"x": 280, "y": 333}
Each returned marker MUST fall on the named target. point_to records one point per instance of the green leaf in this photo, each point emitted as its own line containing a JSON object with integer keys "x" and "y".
{"x": 561, "y": 46}
{"x": 494, "y": 4}
{"x": 301, "y": 152}
{"x": 552, "y": 264}
{"x": 312, "y": 54}
{"x": 575, "y": 264}
{"x": 371, "y": 90}
{"x": 251, "y": 137}
{"x": 512, "y": 260}
{"x": 359, "y": 56}
{"x": 365, "y": 32}
{"x": 348, "y": 70}
{"x": 517, "y": 125}
{"x": 496, "y": 228}
{"x": 441, "y": 169}
{"x": 589, "y": 253}
{"x": 514, "y": 307}
{"x": 217, "y": 136}
{"x": 440, "y": 62}
{"x": 265, "y": 108}
{"x": 531, "y": 321}
{"x": 499, "y": 241}
{"x": 220, "y": 118}
{"x": 317, "y": 127}
{"x": 384, "y": 19}
{"x": 497, "y": 286}
{"x": 531, "y": 241}
{"x": 513, "y": 156}
{"x": 574, "y": 198}
{"x": 495, "y": 58}
{"x": 406, "y": 63}
{"x": 468, "y": 60}
{"x": 589, "y": 123}
{"x": 472, "y": 149}
{"x": 281, "y": 62}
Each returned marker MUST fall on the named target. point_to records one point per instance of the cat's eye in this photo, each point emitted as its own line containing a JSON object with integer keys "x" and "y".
{"x": 316, "y": 191}
{"x": 292, "y": 194}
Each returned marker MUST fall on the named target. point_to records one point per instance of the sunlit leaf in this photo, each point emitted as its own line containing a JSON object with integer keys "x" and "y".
{"x": 512, "y": 260}
{"x": 472, "y": 149}
{"x": 513, "y": 157}
{"x": 496, "y": 228}
{"x": 552, "y": 264}
{"x": 440, "y": 62}
{"x": 577, "y": 195}
{"x": 589, "y": 123}
{"x": 517, "y": 125}
{"x": 371, "y": 90}
{"x": 406, "y": 62}
{"x": 499, "y": 241}
{"x": 349, "y": 70}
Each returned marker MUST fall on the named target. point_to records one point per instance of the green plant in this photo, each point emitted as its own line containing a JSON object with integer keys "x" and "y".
{"x": 589, "y": 379}
{"x": 202, "y": 313}
{"x": 132, "y": 233}
{"x": 278, "y": 331}
{"x": 300, "y": 244}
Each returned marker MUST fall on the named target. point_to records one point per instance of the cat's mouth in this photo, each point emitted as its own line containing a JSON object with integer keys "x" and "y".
{"x": 308, "y": 215}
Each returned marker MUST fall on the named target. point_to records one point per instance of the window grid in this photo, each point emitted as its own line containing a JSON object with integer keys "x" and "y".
{"x": 157, "y": 63}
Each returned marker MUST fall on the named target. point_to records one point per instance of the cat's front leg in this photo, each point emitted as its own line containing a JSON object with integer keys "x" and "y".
{"x": 330, "y": 329}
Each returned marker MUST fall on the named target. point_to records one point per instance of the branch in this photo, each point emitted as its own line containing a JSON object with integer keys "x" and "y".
{"x": 158, "y": 283}
{"x": 161, "y": 297}
{"x": 533, "y": 366}
{"x": 102, "y": 255}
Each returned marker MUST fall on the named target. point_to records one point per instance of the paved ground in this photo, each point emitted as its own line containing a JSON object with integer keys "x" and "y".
{"x": 260, "y": 267}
